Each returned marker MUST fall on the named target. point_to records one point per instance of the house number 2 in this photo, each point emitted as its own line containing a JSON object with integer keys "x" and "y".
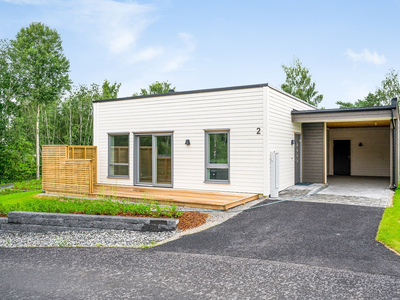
{"x": 258, "y": 130}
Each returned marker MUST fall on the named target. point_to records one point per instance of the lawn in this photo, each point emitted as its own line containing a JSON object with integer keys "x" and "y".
{"x": 389, "y": 229}
{"x": 22, "y": 197}
{"x": 27, "y": 201}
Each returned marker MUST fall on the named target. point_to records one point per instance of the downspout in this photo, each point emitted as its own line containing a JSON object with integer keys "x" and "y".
{"x": 394, "y": 181}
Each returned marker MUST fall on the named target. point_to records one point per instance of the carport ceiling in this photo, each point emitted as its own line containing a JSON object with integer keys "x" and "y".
{"x": 380, "y": 123}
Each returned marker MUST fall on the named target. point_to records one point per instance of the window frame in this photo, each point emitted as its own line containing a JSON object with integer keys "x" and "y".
{"x": 208, "y": 165}
{"x": 110, "y": 135}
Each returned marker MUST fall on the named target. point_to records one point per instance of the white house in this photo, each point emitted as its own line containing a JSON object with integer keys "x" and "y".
{"x": 221, "y": 139}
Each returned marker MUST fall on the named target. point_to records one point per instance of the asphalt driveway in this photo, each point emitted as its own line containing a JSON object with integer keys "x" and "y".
{"x": 291, "y": 250}
{"x": 316, "y": 234}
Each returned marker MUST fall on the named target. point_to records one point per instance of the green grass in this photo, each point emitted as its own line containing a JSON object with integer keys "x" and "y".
{"x": 22, "y": 197}
{"x": 26, "y": 201}
{"x": 15, "y": 199}
{"x": 389, "y": 229}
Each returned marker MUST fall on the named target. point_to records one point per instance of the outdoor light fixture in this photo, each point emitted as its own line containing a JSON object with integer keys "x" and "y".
{"x": 292, "y": 142}
{"x": 360, "y": 145}
{"x": 187, "y": 142}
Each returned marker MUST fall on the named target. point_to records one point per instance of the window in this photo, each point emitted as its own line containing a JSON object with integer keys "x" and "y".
{"x": 217, "y": 156}
{"x": 118, "y": 155}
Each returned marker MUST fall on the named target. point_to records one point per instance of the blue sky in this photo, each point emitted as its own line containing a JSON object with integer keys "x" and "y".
{"x": 348, "y": 46}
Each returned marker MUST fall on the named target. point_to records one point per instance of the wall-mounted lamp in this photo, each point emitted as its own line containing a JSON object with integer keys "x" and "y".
{"x": 360, "y": 145}
{"x": 292, "y": 142}
{"x": 187, "y": 142}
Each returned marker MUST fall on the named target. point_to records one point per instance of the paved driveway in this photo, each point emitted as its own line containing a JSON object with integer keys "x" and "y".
{"x": 317, "y": 234}
{"x": 98, "y": 273}
{"x": 291, "y": 250}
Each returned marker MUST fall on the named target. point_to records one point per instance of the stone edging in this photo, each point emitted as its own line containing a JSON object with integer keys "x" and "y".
{"x": 26, "y": 221}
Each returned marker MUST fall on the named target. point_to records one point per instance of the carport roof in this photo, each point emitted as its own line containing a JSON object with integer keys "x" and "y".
{"x": 345, "y": 114}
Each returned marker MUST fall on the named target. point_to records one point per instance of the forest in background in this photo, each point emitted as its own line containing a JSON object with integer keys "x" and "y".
{"x": 39, "y": 105}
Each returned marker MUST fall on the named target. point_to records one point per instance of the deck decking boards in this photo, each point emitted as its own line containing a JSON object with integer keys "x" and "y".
{"x": 190, "y": 198}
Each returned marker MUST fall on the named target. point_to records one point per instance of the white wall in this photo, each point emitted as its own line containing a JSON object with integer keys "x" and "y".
{"x": 373, "y": 158}
{"x": 188, "y": 115}
{"x": 282, "y": 130}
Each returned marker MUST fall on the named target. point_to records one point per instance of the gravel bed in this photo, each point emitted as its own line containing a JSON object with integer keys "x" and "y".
{"x": 103, "y": 238}
{"x": 115, "y": 238}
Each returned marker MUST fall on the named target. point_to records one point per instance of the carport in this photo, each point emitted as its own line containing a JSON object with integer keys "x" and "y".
{"x": 349, "y": 142}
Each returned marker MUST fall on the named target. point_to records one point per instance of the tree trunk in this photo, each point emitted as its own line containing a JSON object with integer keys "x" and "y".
{"x": 37, "y": 144}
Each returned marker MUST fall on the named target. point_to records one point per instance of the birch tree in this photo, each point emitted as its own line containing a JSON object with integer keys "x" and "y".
{"x": 42, "y": 69}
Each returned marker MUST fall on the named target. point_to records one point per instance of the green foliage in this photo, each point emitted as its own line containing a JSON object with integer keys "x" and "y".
{"x": 37, "y": 57}
{"x": 156, "y": 88}
{"x": 389, "y": 89}
{"x": 35, "y": 86}
{"x": 110, "y": 91}
{"x": 298, "y": 83}
{"x": 61, "y": 242}
{"x": 389, "y": 228}
{"x": 18, "y": 160}
{"x": 85, "y": 206}
{"x": 41, "y": 65}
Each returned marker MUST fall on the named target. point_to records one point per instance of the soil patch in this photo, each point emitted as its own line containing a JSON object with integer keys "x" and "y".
{"x": 191, "y": 219}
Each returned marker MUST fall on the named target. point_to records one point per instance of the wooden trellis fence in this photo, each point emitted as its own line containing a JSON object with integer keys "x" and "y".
{"x": 69, "y": 170}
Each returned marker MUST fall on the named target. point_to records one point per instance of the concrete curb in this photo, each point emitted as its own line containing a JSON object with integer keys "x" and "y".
{"x": 317, "y": 189}
{"x": 43, "y": 222}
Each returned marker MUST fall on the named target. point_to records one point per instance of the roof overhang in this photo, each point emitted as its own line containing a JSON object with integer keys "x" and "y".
{"x": 344, "y": 115}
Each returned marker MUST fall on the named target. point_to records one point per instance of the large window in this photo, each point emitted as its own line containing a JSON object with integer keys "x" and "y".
{"x": 217, "y": 156}
{"x": 118, "y": 153}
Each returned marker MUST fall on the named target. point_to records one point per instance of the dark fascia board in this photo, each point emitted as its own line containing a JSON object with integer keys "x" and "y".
{"x": 187, "y": 92}
{"x": 341, "y": 110}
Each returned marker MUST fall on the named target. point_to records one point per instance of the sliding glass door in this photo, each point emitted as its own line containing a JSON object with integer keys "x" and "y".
{"x": 154, "y": 159}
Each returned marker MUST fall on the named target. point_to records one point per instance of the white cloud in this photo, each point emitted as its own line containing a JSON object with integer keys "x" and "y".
{"x": 147, "y": 54}
{"x": 116, "y": 25}
{"x": 366, "y": 56}
{"x": 180, "y": 56}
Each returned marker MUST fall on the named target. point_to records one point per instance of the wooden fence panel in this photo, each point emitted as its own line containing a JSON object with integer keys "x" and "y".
{"x": 68, "y": 176}
{"x": 85, "y": 152}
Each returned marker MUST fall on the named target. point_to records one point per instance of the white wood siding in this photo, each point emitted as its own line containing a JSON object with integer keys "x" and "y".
{"x": 188, "y": 116}
{"x": 281, "y": 132}
{"x": 373, "y": 158}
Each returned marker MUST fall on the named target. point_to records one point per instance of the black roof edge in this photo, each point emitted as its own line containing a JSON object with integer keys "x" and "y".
{"x": 187, "y": 92}
{"x": 333, "y": 110}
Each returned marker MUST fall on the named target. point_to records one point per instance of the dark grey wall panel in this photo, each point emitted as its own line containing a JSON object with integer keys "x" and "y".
{"x": 313, "y": 152}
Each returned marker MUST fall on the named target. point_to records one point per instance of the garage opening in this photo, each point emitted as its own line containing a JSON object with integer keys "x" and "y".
{"x": 359, "y": 148}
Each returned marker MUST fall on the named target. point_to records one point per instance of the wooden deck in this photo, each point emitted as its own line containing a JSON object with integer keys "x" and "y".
{"x": 191, "y": 198}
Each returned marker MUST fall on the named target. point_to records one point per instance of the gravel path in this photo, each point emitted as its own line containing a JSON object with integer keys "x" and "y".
{"x": 106, "y": 238}
{"x": 6, "y": 186}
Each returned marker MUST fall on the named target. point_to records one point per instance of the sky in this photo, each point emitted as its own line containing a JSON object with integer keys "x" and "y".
{"x": 348, "y": 46}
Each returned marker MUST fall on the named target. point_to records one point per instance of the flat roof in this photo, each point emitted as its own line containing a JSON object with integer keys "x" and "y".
{"x": 341, "y": 110}
{"x": 187, "y": 92}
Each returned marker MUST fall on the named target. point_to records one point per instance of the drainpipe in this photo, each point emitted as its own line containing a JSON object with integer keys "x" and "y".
{"x": 394, "y": 181}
